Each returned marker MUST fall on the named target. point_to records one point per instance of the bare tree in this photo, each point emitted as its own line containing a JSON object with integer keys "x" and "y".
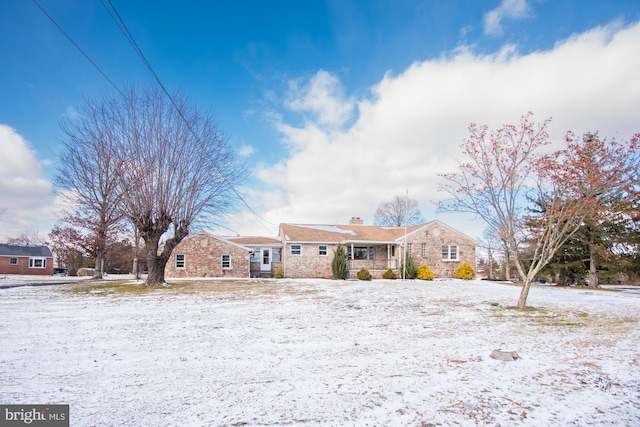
{"x": 397, "y": 211}
{"x": 503, "y": 170}
{"x": 27, "y": 239}
{"x": 177, "y": 170}
{"x": 88, "y": 176}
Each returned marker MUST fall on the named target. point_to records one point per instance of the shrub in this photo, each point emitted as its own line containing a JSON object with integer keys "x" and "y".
{"x": 279, "y": 274}
{"x": 465, "y": 272}
{"x": 425, "y": 273}
{"x": 409, "y": 269}
{"x": 339, "y": 266}
{"x": 364, "y": 274}
{"x": 389, "y": 274}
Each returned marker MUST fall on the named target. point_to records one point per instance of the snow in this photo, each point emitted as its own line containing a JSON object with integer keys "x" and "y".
{"x": 322, "y": 352}
{"x": 329, "y": 228}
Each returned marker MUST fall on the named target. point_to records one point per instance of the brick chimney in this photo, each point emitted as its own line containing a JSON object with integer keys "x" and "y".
{"x": 355, "y": 220}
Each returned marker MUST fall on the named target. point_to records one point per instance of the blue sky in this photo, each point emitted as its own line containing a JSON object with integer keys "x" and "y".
{"x": 335, "y": 105}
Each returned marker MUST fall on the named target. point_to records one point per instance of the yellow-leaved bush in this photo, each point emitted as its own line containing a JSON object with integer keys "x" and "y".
{"x": 465, "y": 272}
{"x": 425, "y": 273}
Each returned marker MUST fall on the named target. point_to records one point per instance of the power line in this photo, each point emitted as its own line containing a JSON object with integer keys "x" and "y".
{"x": 78, "y": 47}
{"x": 115, "y": 16}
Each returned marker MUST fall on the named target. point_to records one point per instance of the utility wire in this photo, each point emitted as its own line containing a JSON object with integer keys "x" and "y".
{"x": 115, "y": 16}
{"x": 78, "y": 47}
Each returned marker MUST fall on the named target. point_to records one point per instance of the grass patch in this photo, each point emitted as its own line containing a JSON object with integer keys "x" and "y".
{"x": 116, "y": 287}
{"x": 230, "y": 288}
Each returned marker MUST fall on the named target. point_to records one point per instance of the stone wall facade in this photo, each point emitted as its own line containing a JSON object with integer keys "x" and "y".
{"x": 202, "y": 255}
{"x": 434, "y": 238}
{"x": 310, "y": 264}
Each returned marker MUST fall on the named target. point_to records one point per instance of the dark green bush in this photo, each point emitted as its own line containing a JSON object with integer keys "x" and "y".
{"x": 389, "y": 274}
{"x": 364, "y": 274}
{"x": 339, "y": 266}
{"x": 409, "y": 270}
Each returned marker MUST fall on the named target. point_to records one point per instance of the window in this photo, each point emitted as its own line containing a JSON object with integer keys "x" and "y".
{"x": 225, "y": 261}
{"x": 295, "y": 250}
{"x": 255, "y": 255}
{"x": 409, "y": 247}
{"x": 322, "y": 249}
{"x": 37, "y": 262}
{"x": 423, "y": 250}
{"x": 179, "y": 261}
{"x": 13, "y": 261}
{"x": 450, "y": 252}
{"x": 361, "y": 252}
{"x": 276, "y": 255}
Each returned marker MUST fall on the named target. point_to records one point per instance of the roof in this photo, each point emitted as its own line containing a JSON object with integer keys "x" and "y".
{"x": 25, "y": 251}
{"x": 312, "y": 233}
{"x": 343, "y": 233}
{"x": 256, "y": 241}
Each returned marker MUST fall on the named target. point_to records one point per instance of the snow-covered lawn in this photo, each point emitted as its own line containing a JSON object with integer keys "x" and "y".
{"x": 321, "y": 352}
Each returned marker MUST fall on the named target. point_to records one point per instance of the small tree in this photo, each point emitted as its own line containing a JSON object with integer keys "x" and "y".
{"x": 425, "y": 273}
{"x": 465, "y": 272}
{"x": 408, "y": 271}
{"x": 502, "y": 171}
{"x": 339, "y": 266}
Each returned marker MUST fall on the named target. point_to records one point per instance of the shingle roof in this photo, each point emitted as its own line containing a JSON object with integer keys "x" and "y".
{"x": 343, "y": 233}
{"x": 24, "y": 251}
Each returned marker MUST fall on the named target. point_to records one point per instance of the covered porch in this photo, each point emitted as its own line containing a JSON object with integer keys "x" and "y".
{"x": 377, "y": 257}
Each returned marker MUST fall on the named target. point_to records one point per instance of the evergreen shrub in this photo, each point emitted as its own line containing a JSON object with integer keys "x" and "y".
{"x": 389, "y": 274}
{"x": 279, "y": 274}
{"x": 425, "y": 273}
{"x": 364, "y": 274}
{"x": 465, "y": 272}
{"x": 339, "y": 266}
{"x": 410, "y": 268}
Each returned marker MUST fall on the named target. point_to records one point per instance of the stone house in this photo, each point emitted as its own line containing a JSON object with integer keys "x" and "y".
{"x": 21, "y": 259}
{"x": 308, "y": 248}
{"x": 306, "y": 251}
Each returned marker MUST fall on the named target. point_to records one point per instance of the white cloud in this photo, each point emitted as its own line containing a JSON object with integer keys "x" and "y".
{"x": 72, "y": 113}
{"x": 25, "y": 193}
{"x": 246, "y": 150}
{"x": 511, "y": 9}
{"x": 322, "y": 98}
{"x": 411, "y": 126}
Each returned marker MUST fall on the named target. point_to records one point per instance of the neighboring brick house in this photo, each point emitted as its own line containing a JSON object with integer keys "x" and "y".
{"x": 308, "y": 248}
{"x": 20, "y": 259}
{"x": 206, "y": 255}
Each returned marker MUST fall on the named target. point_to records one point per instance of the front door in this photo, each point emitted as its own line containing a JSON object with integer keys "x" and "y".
{"x": 265, "y": 265}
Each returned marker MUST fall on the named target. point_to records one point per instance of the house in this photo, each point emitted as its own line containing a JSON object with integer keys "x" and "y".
{"x": 308, "y": 248}
{"x": 21, "y": 259}
{"x": 306, "y": 251}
